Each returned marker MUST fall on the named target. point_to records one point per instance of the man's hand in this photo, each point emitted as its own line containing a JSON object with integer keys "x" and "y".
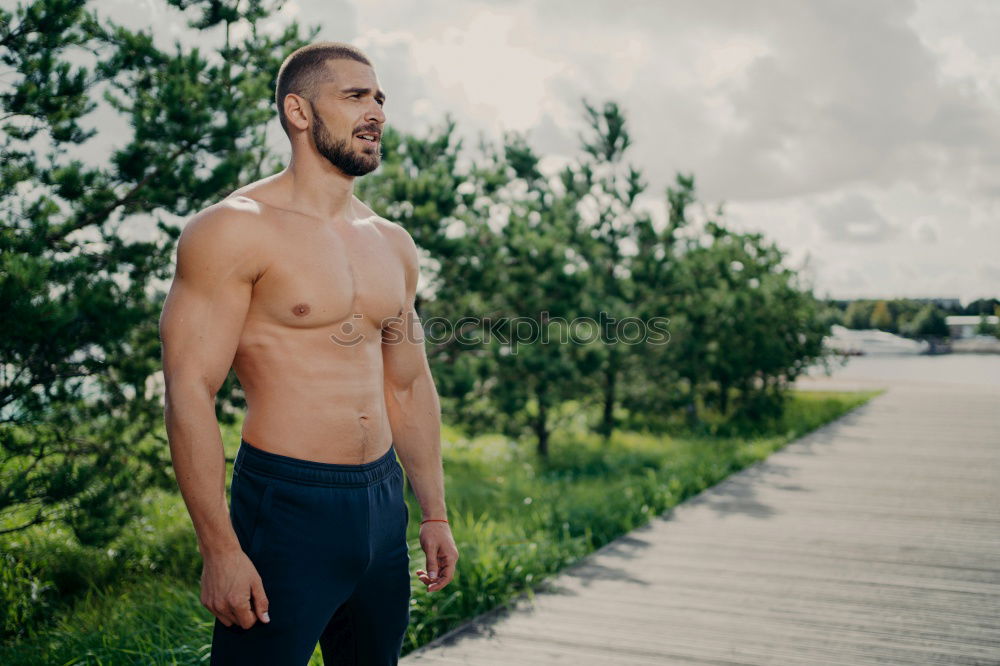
{"x": 229, "y": 581}
{"x": 442, "y": 554}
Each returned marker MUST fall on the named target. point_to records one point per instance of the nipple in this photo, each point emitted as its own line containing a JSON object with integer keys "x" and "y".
{"x": 301, "y": 310}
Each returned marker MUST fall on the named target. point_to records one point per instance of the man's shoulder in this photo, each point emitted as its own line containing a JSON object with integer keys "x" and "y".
{"x": 225, "y": 226}
{"x": 401, "y": 240}
{"x": 237, "y": 206}
{"x": 232, "y": 211}
{"x": 393, "y": 231}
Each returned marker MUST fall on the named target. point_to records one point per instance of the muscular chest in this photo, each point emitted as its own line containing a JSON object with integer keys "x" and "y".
{"x": 322, "y": 277}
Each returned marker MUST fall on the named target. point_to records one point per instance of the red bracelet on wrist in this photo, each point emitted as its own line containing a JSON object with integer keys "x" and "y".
{"x": 434, "y": 520}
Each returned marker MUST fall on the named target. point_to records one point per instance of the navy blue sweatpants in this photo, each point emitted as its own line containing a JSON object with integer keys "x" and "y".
{"x": 329, "y": 543}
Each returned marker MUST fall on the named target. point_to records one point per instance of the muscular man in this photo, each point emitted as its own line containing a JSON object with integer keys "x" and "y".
{"x": 309, "y": 296}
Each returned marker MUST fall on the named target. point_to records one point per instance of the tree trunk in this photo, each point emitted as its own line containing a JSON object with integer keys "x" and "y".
{"x": 610, "y": 393}
{"x": 723, "y": 398}
{"x": 542, "y": 429}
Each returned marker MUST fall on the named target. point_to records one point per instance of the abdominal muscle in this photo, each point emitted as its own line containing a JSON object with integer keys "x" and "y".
{"x": 311, "y": 398}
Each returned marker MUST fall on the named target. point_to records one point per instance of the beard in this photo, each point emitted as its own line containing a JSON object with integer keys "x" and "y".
{"x": 341, "y": 154}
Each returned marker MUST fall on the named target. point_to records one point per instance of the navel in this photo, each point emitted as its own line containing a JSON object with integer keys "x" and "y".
{"x": 300, "y": 309}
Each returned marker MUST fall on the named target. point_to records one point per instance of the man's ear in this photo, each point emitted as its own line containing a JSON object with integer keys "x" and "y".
{"x": 297, "y": 111}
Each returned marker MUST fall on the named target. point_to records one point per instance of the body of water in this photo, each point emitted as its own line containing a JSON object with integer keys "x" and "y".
{"x": 971, "y": 369}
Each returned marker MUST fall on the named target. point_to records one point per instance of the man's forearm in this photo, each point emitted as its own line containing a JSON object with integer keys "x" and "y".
{"x": 415, "y": 418}
{"x": 200, "y": 466}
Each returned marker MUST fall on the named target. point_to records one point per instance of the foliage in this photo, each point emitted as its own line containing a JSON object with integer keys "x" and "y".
{"x": 928, "y": 323}
{"x": 882, "y": 317}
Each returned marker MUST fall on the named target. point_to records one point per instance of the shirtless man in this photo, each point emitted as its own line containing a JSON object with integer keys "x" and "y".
{"x": 309, "y": 296}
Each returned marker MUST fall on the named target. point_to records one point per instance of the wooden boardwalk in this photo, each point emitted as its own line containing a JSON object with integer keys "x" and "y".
{"x": 873, "y": 540}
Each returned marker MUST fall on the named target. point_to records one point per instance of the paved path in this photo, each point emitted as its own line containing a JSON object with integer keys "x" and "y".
{"x": 873, "y": 540}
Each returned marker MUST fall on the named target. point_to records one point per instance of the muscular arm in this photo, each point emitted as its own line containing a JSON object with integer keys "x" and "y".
{"x": 199, "y": 328}
{"x": 411, "y": 399}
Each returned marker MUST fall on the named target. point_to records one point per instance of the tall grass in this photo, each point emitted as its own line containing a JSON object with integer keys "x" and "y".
{"x": 516, "y": 520}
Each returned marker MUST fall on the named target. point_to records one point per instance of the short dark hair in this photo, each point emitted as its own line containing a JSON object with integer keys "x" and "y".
{"x": 305, "y": 68}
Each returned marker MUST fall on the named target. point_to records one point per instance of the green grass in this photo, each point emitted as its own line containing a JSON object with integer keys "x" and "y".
{"x": 516, "y": 520}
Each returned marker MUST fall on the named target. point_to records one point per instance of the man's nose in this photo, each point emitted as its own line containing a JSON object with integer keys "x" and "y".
{"x": 375, "y": 114}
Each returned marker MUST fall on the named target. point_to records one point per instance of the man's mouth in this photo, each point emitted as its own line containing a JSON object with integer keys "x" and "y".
{"x": 368, "y": 137}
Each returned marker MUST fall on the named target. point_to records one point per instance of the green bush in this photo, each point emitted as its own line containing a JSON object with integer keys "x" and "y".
{"x": 24, "y": 596}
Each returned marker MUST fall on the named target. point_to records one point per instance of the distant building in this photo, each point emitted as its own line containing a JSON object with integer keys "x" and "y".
{"x": 964, "y": 326}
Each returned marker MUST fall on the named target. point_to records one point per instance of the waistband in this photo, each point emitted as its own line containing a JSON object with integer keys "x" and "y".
{"x": 311, "y": 472}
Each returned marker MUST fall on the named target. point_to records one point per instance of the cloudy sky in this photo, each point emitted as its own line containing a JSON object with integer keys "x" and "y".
{"x": 861, "y": 136}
